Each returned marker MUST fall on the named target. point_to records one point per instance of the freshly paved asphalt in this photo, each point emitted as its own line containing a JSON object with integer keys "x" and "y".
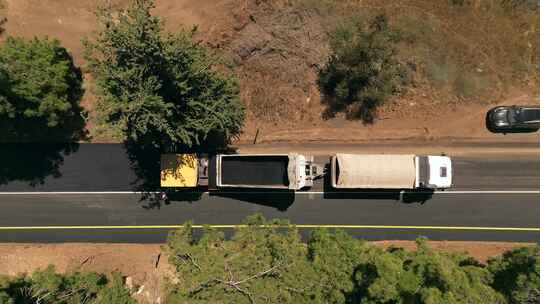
{"x": 453, "y": 216}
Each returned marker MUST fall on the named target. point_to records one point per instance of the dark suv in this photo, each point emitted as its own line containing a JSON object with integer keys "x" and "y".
{"x": 508, "y": 119}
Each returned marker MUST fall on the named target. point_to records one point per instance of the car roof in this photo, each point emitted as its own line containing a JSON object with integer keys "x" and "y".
{"x": 531, "y": 114}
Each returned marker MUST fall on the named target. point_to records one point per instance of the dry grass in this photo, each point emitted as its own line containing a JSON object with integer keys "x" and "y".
{"x": 469, "y": 49}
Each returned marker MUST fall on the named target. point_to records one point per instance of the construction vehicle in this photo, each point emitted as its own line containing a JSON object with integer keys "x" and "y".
{"x": 290, "y": 171}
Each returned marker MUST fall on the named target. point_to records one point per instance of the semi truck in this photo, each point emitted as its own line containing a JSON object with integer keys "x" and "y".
{"x": 290, "y": 171}
{"x": 386, "y": 171}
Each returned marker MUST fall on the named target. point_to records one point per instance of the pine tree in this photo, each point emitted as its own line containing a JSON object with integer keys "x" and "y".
{"x": 160, "y": 88}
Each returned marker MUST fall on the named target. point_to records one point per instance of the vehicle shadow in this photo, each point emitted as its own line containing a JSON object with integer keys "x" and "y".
{"x": 32, "y": 163}
{"x": 405, "y": 196}
{"x": 281, "y": 200}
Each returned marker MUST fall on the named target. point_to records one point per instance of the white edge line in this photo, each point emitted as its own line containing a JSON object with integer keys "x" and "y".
{"x": 266, "y": 192}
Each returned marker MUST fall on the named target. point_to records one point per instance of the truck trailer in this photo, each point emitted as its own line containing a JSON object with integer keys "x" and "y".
{"x": 266, "y": 171}
{"x": 386, "y": 171}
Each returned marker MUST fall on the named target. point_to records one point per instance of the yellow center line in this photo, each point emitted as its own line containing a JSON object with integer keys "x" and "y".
{"x": 302, "y": 226}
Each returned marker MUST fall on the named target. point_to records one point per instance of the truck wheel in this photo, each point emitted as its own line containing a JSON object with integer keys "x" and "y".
{"x": 163, "y": 196}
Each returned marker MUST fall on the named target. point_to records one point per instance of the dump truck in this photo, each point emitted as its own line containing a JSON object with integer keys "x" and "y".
{"x": 386, "y": 171}
{"x": 266, "y": 171}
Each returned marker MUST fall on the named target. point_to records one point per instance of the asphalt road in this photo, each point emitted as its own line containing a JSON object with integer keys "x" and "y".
{"x": 474, "y": 213}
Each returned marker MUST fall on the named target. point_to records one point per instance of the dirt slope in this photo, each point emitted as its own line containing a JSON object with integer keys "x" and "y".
{"x": 274, "y": 51}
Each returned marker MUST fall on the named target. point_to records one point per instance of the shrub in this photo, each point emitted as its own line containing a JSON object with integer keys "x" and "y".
{"x": 362, "y": 72}
{"x": 48, "y": 287}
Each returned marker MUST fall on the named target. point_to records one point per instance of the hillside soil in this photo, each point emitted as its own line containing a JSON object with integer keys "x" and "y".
{"x": 146, "y": 267}
{"x": 274, "y": 52}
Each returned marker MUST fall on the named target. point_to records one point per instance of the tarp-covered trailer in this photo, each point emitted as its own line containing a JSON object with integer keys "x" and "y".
{"x": 387, "y": 171}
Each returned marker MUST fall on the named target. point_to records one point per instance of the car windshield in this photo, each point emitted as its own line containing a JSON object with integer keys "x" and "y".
{"x": 514, "y": 115}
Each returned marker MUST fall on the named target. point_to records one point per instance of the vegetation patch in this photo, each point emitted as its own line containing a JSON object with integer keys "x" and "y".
{"x": 362, "y": 72}
{"x": 48, "y": 287}
{"x": 40, "y": 92}
{"x": 267, "y": 262}
{"x": 159, "y": 88}
{"x": 459, "y": 50}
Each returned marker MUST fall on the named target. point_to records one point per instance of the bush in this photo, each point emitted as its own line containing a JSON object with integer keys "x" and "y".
{"x": 40, "y": 91}
{"x": 533, "y": 5}
{"x": 159, "y": 88}
{"x": 424, "y": 276}
{"x": 362, "y": 72}
{"x": 48, "y": 287}
{"x": 517, "y": 274}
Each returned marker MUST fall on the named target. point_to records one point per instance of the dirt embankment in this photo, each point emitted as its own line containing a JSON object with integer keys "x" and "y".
{"x": 147, "y": 268}
{"x": 275, "y": 51}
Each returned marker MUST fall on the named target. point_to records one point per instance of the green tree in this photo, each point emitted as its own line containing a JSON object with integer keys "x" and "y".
{"x": 40, "y": 91}
{"x": 48, "y": 287}
{"x": 334, "y": 257}
{"x": 159, "y": 88}
{"x": 5, "y": 298}
{"x": 266, "y": 261}
{"x": 258, "y": 264}
{"x": 116, "y": 293}
{"x": 517, "y": 274}
{"x": 424, "y": 276}
{"x": 362, "y": 70}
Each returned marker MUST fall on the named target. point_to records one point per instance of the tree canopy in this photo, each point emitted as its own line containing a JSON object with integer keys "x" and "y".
{"x": 267, "y": 262}
{"x": 40, "y": 91}
{"x": 48, "y": 287}
{"x": 517, "y": 274}
{"x": 156, "y": 87}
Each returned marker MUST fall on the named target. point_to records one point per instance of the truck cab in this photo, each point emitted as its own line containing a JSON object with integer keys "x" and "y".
{"x": 434, "y": 172}
{"x": 183, "y": 170}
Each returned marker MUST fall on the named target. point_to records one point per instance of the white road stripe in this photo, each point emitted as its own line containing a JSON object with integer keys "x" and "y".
{"x": 267, "y": 192}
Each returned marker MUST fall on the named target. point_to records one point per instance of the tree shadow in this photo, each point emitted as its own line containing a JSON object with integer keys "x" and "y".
{"x": 145, "y": 161}
{"x": 405, "y": 196}
{"x": 31, "y": 149}
{"x": 278, "y": 199}
{"x": 32, "y": 163}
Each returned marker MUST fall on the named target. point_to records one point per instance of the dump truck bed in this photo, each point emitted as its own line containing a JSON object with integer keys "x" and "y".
{"x": 254, "y": 170}
{"x": 380, "y": 171}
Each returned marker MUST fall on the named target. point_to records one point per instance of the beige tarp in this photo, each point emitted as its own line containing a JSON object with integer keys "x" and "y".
{"x": 375, "y": 171}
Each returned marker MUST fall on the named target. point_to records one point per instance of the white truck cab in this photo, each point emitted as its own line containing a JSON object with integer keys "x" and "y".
{"x": 433, "y": 172}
